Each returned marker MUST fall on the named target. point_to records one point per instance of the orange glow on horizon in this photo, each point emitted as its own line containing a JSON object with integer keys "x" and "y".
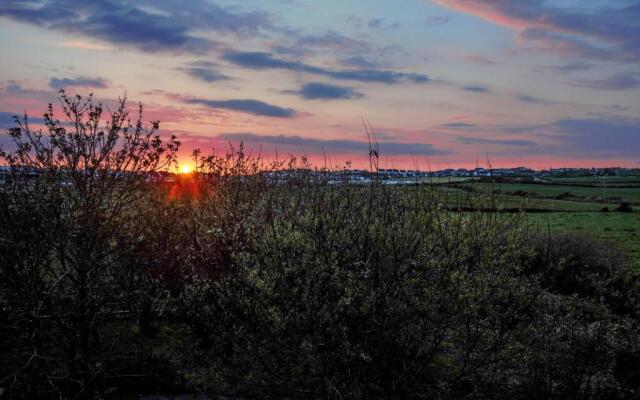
{"x": 185, "y": 169}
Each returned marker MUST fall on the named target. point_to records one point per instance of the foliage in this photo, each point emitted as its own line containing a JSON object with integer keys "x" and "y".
{"x": 277, "y": 281}
{"x": 73, "y": 217}
{"x": 618, "y": 230}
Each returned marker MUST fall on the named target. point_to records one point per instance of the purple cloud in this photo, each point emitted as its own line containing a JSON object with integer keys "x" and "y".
{"x": 204, "y": 71}
{"x": 381, "y": 23}
{"x": 578, "y": 66}
{"x": 614, "y": 82}
{"x": 458, "y": 125}
{"x": 7, "y": 120}
{"x": 531, "y": 99}
{"x": 476, "y": 89}
{"x": 334, "y": 146}
{"x": 333, "y": 40}
{"x": 596, "y": 137}
{"x": 325, "y": 91}
{"x": 131, "y": 24}
{"x": 249, "y": 106}
{"x": 81, "y": 81}
{"x": 566, "y": 30}
{"x": 258, "y": 61}
{"x": 494, "y": 142}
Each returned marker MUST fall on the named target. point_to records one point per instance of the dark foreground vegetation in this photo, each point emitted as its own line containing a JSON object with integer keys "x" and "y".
{"x": 115, "y": 282}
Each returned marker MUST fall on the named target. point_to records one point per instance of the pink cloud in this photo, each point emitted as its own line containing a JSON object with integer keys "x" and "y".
{"x": 490, "y": 11}
{"x": 615, "y": 29}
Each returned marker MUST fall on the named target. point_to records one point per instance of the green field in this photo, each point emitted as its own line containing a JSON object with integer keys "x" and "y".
{"x": 630, "y": 192}
{"x": 572, "y": 207}
{"x": 456, "y": 196}
{"x": 597, "y": 181}
{"x": 621, "y": 229}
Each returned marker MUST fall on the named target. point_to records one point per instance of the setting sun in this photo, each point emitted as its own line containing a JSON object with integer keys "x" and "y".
{"x": 185, "y": 169}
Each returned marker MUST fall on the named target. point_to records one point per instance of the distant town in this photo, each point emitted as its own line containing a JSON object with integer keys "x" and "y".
{"x": 514, "y": 172}
{"x": 407, "y": 176}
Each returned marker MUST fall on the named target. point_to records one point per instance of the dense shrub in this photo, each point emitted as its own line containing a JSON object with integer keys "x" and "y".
{"x": 73, "y": 221}
{"x": 624, "y": 207}
{"x": 376, "y": 293}
{"x": 277, "y": 281}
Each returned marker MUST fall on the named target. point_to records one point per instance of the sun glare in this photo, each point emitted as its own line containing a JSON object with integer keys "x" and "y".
{"x": 185, "y": 169}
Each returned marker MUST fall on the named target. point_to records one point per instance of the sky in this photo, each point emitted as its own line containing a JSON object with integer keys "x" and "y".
{"x": 443, "y": 83}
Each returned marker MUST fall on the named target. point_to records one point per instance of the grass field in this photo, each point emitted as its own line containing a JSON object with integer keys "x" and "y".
{"x": 614, "y": 194}
{"x": 597, "y": 181}
{"x": 621, "y": 229}
{"x": 574, "y": 206}
{"x": 459, "y": 197}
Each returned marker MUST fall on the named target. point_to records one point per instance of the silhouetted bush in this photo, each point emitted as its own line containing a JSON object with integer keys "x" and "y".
{"x": 73, "y": 217}
{"x": 624, "y": 207}
{"x": 367, "y": 295}
{"x": 278, "y": 281}
{"x": 566, "y": 196}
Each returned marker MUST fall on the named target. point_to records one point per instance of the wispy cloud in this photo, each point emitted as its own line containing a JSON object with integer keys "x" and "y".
{"x": 332, "y": 40}
{"x": 530, "y": 99}
{"x": 480, "y": 59}
{"x": 325, "y": 91}
{"x": 578, "y": 66}
{"x": 263, "y": 61}
{"x": 13, "y": 87}
{"x": 253, "y": 107}
{"x": 459, "y": 125}
{"x": 205, "y": 71}
{"x": 613, "y": 82}
{"x": 596, "y": 137}
{"x": 335, "y": 146}
{"x": 7, "y": 120}
{"x": 382, "y": 23}
{"x": 85, "y": 45}
{"x": 613, "y": 137}
{"x": 476, "y": 89}
{"x": 78, "y": 82}
{"x": 360, "y": 62}
{"x": 130, "y": 23}
{"x": 494, "y": 142}
{"x": 600, "y": 31}
{"x": 433, "y": 20}
{"x": 562, "y": 45}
